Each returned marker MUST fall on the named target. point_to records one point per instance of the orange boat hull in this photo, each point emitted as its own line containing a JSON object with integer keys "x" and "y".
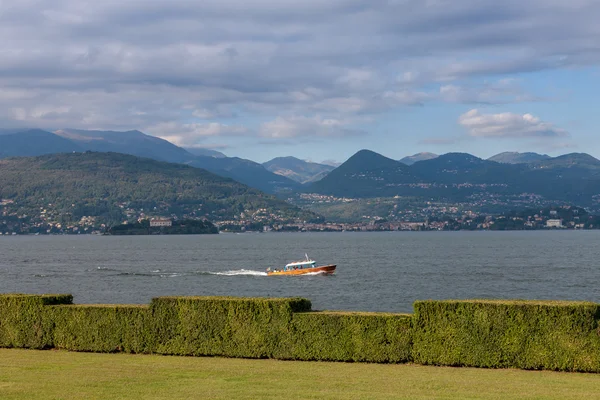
{"x": 325, "y": 269}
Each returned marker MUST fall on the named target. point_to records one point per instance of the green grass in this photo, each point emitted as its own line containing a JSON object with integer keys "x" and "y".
{"x": 29, "y": 374}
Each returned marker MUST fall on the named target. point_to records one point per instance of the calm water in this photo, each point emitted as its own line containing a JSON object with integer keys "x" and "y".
{"x": 384, "y": 271}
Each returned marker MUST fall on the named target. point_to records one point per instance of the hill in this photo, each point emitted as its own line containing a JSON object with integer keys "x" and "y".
{"x": 205, "y": 152}
{"x": 462, "y": 177}
{"x": 410, "y": 160}
{"x": 130, "y": 142}
{"x": 33, "y": 142}
{"x": 26, "y": 143}
{"x": 510, "y": 157}
{"x": 298, "y": 170}
{"x": 247, "y": 172}
{"x": 113, "y": 187}
{"x": 139, "y": 144}
{"x": 361, "y": 176}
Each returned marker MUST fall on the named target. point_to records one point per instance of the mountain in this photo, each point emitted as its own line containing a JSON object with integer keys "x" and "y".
{"x": 509, "y": 157}
{"x": 459, "y": 168}
{"x": 10, "y": 131}
{"x": 106, "y": 185}
{"x": 410, "y": 160}
{"x": 247, "y": 172}
{"x": 361, "y": 176}
{"x": 462, "y": 177}
{"x": 205, "y": 152}
{"x": 298, "y": 170}
{"x": 139, "y": 144}
{"x": 572, "y": 160}
{"x": 331, "y": 163}
{"x": 34, "y": 142}
{"x": 130, "y": 142}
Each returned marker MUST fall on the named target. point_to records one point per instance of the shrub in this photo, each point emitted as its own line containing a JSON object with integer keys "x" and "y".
{"x": 223, "y": 326}
{"x": 347, "y": 336}
{"x": 102, "y": 328}
{"x": 508, "y": 334}
{"x": 23, "y": 322}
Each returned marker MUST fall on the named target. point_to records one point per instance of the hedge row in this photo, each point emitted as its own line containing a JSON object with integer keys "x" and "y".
{"x": 223, "y": 326}
{"x": 479, "y": 333}
{"x": 337, "y": 336}
{"x": 551, "y": 335}
{"x": 23, "y": 322}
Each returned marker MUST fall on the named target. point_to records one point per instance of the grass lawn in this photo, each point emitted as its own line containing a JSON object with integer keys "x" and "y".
{"x": 32, "y": 374}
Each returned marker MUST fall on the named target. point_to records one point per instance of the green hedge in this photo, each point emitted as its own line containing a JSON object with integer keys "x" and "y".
{"x": 551, "y": 335}
{"x": 508, "y": 334}
{"x": 102, "y": 328}
{"x": 347, "y": 336}
{"x": 223, "y": 326}
{"x": 23, "y": 322}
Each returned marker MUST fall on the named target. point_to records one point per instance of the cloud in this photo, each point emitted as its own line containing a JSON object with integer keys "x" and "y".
{"x": 123, "y": 65}
{"x": 508, "y": 125}
{"x": 300, "y": 126}
{"x": 192, "y": 135}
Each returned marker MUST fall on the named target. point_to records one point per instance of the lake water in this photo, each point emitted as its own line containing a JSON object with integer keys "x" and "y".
{"x": 383, "y": 271}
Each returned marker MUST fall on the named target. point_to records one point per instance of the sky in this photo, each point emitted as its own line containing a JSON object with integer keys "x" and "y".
{"x": 316, "y": 79}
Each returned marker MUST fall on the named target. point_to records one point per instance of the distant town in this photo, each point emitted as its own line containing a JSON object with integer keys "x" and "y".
{"x": 427, "y": 218}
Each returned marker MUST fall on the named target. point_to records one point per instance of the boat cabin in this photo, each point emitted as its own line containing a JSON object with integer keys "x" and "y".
{"x": 299, "y": 265}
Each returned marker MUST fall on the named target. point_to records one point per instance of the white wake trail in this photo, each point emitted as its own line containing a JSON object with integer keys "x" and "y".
{"x": 240, "y": 272}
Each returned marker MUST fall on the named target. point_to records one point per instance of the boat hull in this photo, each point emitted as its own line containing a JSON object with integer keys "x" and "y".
{"x": 325, "y": 269}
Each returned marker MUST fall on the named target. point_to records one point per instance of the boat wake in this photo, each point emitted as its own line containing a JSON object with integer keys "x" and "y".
{"x": 239, "y": 272}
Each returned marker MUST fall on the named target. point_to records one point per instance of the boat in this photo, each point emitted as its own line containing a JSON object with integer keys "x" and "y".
{"x": 302, "y": 267}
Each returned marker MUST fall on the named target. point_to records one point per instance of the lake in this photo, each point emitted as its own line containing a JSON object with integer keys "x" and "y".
{"x": 377, "y": 271}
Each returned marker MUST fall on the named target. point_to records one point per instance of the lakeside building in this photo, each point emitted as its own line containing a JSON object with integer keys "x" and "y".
{"x": 160, "y": 222}
{"x": 554, "y": 223}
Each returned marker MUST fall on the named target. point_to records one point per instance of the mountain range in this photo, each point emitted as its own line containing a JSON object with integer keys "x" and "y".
{"x": 511, "y": 157}
{"x": 410, "y": 160}
{"x": 35, "y": 142}
{"x": 298, "y": 170}
{"x": 460, "y": 177}
{"x": 455, "y": 176}
{"x": 105, "y": 185}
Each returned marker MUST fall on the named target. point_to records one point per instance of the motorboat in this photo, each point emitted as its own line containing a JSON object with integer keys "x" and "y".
{"x": 302, "y": 267}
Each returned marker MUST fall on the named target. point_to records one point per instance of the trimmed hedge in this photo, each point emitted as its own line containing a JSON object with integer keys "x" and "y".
{"x": 102, "y": 328}
{"x": 23, "y": 322}
{"x": 223, "y": 326}
{"x": 345, "y": 336}
{"x": 562, "y": 336}
{"x": 551, "y": 335}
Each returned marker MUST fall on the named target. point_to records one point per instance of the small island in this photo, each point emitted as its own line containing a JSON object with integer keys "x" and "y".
{"x": 162, "y": 226}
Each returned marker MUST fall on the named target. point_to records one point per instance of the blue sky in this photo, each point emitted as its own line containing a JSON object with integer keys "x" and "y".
{"x": 315, "y": 79}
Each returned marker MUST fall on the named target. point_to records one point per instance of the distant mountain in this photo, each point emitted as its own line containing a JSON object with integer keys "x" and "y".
{"x": 37, "y": 142}
{"x": 410, "y": 160}
{"x": 298, "y": 170}
{"x": 129, "y": 142}
{"x": 9, "y": 131}
{"x": 34, "y": 142}
{"x": 331, "y": 163}
{"x": 105, "y": 184}
{"x": 205, "y": 152}
{"x": 509, "y": 157}
{"x": 463, "y": 177}
{"x": 361, "y": 176}
{"x": 365, "y": 160}
{"x": 572, "y": 160}
{"x": 247, "y": 172}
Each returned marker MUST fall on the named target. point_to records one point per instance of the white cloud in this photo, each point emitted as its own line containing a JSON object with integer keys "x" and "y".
{"x": 508, "y": 125}
{"x": 301, "y": 126}
{"x": 127, "y": 64}
{"x": 192, "y": 135}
